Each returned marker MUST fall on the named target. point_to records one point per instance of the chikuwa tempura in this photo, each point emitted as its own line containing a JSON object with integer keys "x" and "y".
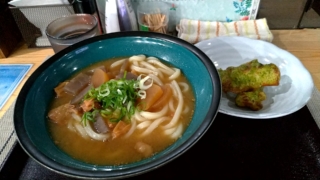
{"x": 121, "y": 110}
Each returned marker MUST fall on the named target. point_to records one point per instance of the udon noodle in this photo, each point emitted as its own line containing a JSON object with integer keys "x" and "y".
{"x": 121, "y": 110}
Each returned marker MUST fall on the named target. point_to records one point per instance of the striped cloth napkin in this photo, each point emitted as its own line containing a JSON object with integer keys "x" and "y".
{"x": 195, "y": 31}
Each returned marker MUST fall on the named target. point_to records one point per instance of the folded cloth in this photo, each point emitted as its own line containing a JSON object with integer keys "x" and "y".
{"x": 194, "y": 31}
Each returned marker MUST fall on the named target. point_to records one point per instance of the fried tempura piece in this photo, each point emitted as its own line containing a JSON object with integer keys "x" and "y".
{"x": 249, "y": 76}
{"x": 251, "y": 99}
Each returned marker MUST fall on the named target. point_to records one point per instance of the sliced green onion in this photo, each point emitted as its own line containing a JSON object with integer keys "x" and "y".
{"x": 142, "y": 81}
{"x": 117, "y": 98}
{"x": 142, "y": 94}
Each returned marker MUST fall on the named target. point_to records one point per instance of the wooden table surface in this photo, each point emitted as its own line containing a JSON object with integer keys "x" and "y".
{"x": 304, "y": 44}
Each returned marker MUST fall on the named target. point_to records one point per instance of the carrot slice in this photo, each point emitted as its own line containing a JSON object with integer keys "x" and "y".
{"x": 120, "y": 129}
{"x": 153, "y": 94}
{"x": 99, "y": 77}
{"x": 134, "y": 72}
{"x": 87, "y": 105}
{"x": 164, "y": 99}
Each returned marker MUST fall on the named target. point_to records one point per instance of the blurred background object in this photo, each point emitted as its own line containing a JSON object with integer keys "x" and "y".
{"x": 29, "y": 31}
{"x": 10, "y": 35}
{"x": 311, "y": 15}
{"x": 290, "y": 14}
{"x": 87, "y": 7}
{"x": 33, "y": 16}
{"x": 120, "y": 16}
{"x": 205, "y": 10}
{"x": 126, "y": 15}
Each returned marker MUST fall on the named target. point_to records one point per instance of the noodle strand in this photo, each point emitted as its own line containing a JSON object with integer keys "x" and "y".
{"x": 171, "y": 105}
{"x": 178, "y": 132}
{"x": 152, "y": 68}
{"x": 154, "y": 115}
{"x": 156, "y": 79}
{"x": 132, "y": 129}
{"x": 138, "y": 117}
{"x": 143, "y": 70}
{"x": 143, "y": 125}
{"x": 117, "y": 63}
{"x": 170, "y": 131}
{"x": 160, "y": 64}
{"x": 186, "y": 110}
{"x": 185, "y": 86}
{"x": 94, "y": 135}
{"x": 154, "y": 125}
{"x": 80, "y": 130}
{"x": 175, "y": 75}
{"x": 179, "y": 107}
{"x": 137, "y": 58}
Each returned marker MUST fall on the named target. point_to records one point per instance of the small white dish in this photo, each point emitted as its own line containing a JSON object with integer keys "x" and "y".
{"x": 296, "y": 83}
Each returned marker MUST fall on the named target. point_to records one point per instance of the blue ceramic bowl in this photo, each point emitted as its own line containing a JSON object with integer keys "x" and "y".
{"x": 31, "y": 108}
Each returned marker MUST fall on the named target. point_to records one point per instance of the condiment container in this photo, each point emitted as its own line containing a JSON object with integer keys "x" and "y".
{"x": 153, "y": 16}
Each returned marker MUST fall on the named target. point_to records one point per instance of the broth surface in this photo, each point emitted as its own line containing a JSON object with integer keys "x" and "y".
{"x": 119, "y": 150}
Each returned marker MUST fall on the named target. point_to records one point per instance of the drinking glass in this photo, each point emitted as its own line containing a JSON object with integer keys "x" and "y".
{"x": 71, "y": 29}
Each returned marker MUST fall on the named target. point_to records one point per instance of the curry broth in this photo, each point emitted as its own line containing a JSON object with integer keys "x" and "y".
{"x": 117, "y": 151}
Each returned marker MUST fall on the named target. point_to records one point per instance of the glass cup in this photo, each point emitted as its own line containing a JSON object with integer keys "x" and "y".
{"x": 71, "y": 29}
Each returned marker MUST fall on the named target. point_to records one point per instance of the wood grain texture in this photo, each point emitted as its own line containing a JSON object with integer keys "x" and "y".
{"x": 304, "y": 44}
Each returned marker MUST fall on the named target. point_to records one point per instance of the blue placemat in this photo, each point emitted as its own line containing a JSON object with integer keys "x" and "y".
{"x": 10, "y": 77}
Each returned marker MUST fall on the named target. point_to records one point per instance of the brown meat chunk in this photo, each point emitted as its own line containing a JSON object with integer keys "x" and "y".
{"x": 61, "y": 114}
{"x": 143, "y": 148}
{"x": 77, "y": 84}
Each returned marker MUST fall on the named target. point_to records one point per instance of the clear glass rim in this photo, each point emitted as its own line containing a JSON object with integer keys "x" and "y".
{"x": 95, "y": 24}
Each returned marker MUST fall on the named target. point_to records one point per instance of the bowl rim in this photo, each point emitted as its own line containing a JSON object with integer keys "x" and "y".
{"x": 45, "y": 161}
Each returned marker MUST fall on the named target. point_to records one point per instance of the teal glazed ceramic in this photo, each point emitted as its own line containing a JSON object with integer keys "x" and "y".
{"x": 30, "y": 121}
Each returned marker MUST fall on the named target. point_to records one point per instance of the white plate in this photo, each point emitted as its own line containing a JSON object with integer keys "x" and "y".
{"x": 296, "y": 82}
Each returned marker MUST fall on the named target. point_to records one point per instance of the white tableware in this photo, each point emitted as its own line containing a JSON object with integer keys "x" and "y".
{"x": 296, "y": 83}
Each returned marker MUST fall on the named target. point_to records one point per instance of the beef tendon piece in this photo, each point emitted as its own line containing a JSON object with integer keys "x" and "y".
{"x": 251, "y": 99}
{"x": 249, "y": 76}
